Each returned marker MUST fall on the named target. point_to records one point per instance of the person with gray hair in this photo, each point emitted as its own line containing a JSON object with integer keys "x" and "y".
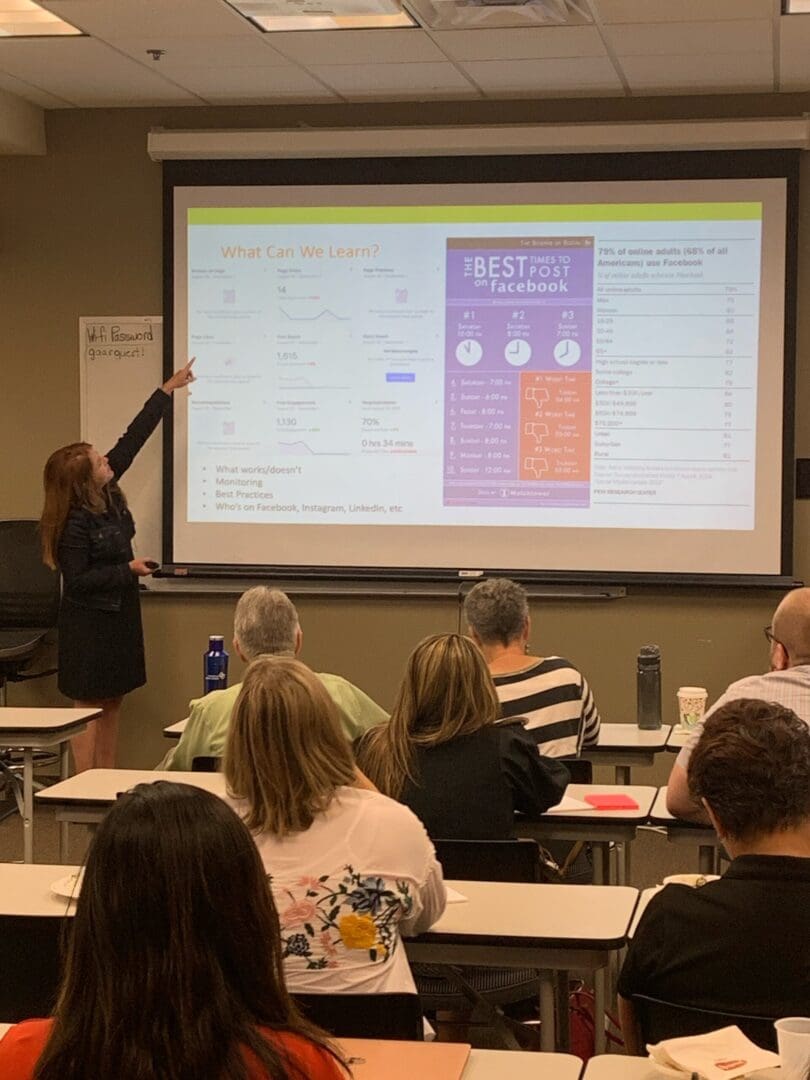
{"x": 549, "y": 692}
{"x": 265, "y": 623}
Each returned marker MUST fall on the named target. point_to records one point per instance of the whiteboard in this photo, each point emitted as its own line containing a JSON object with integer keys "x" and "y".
{"x": 121, "y": 365}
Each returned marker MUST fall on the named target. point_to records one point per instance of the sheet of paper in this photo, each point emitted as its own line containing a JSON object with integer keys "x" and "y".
{"x": 569, "y": 805}
{"x": 454, "y": 897}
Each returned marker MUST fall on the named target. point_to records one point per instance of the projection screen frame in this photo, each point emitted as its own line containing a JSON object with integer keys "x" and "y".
{"x": 703, "y": 165}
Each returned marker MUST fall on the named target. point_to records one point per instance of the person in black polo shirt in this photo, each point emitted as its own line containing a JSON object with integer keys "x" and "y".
{"x": 740, "y": 944}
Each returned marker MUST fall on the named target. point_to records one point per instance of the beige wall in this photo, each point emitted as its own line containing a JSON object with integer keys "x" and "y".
{"x": 80, "y": 233}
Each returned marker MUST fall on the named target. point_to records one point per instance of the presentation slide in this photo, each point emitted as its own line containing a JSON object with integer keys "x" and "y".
{"x": 587, "y": 379}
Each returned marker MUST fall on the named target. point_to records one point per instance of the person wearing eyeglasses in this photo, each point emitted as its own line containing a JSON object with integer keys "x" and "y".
{"x": 787, "y": 683}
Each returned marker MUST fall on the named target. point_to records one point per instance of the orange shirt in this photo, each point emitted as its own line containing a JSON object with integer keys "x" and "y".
{"x": 21, "y": 1048}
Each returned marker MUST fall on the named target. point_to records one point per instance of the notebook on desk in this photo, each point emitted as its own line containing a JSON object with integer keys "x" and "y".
{"x": 380, "y": 1059}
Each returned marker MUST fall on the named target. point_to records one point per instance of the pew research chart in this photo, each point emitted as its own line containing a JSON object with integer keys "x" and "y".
{"x": 590, "y": 366}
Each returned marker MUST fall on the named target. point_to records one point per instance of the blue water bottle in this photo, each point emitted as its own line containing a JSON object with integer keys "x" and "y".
{"x": 215, "y": 665}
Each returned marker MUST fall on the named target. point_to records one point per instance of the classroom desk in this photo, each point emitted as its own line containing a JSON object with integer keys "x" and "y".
{"x": 548, "y": 927}
{"x": 25, "y": 889}
{"x": 39, "y": 729}
{"x": 497, "y": 1064}
{"x": 641, "y": 907}
{"x": 626, "y": 745}
{"x": 519, "y": 1065}
{"x": 621, "y": 1067}
{"x": 86, "y": 797}
{"x": 677, "y": 739}
{"x": 685, "y": 832}
{"x": 174, "y": 731}
{"x": 600, "y": 827}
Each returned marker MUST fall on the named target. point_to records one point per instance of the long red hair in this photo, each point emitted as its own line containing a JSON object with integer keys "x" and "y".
{"x": 68, "y": 481}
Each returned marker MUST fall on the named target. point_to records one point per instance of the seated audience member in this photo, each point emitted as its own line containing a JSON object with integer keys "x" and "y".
{"x": 350, "y": 869}
{"x": 549, "y": 692}
{"x": 443, "y": 754}
{"x": 174, "y": 964}
{"x": 265, "y": 624}
{"x": 787, "y": 683}
{"x": 739, "y": 944}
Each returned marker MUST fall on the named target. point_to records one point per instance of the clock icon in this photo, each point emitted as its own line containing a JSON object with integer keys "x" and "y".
{"x": 567, "y": 352}
{"x": 469, "y": 352}
{"x": 517, "y": 352}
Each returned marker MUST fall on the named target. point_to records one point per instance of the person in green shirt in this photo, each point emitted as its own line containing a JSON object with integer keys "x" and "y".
{"x": 265, "y": 623}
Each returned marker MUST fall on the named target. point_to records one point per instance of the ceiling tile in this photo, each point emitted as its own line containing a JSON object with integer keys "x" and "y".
{"x": 552, "y": 41}
{"x": 396, "y": 81}
{"x": 545, "y": 78}
{"x": 87, "y": 73}
{"x": 134, "y": 18}
{"x": 794, "y": 49}
{"x": 193, "y": 52}
{"x": 362, "y": 47}
{"x": 33, "y": 94}
{"x": 671, "y": 11}
{"x": 697, "y": 74}
{"x": 254, "y": 84}
{"x": 685, "y": 38}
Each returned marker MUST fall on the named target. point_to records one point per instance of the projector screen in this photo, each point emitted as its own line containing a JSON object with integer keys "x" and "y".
{"x": 539, "y": 377}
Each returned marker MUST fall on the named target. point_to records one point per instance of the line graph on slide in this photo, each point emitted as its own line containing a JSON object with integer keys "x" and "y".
{"x": 303, "y": 448}
{"x": 314, "y": 318}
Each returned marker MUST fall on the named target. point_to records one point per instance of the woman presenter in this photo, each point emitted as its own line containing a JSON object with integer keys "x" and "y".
{"x": 87, "y": 533}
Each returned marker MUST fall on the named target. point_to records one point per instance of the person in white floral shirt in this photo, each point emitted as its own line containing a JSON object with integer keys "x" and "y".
{"x": 350, "y": 869}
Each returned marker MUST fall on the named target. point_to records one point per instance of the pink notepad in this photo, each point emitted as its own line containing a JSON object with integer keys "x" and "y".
{"x": 611, "y": 802}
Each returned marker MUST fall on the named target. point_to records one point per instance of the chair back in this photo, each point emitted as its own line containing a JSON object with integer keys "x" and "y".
{"x": 31, "y": 954}
{"x": 581, "y": 770}
{"x": 204, "y": 763}
{"x": 490, "y": 860}
{"x": 660, "y": 1020}
{"x": 365, "y": 1016}
{"x": 29, "y": 591}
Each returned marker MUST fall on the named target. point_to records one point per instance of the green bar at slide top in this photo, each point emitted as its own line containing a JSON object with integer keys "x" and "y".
{"x": 423, "y": 215}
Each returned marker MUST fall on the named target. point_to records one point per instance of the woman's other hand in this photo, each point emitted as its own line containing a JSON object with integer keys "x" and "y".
{"x": 141, "y": 567}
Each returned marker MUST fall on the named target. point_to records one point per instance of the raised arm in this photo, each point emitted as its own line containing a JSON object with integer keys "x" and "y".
{"x": 123, "y": 453}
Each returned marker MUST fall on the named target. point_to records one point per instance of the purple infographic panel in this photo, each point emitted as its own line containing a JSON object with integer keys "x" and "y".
{"x": 518, "y": 350}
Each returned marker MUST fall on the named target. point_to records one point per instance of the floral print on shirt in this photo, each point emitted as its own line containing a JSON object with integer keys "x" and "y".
{"x": 353, "y": 911}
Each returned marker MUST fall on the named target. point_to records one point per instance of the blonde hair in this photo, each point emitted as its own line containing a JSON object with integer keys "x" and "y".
{"x": 68, "y": 482}
{"x": 447, "y": 691}
{"x": 286, "y": 753}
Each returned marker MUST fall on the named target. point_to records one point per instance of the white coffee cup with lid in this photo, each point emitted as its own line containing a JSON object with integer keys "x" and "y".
{"x": 692, "y": 705}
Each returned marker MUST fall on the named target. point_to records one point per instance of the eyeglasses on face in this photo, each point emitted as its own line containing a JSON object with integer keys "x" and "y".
{"x": 769, "y": 636}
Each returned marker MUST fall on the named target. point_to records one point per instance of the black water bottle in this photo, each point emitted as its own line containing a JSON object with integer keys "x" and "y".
{"x": 648, "y": 688}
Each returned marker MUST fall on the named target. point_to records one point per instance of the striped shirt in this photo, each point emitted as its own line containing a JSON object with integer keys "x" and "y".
{"x": 557, "y": 703}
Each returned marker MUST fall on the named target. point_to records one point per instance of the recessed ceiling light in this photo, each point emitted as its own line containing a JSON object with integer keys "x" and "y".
{"x": 796, "y": 7}
{"x": 276, "y": 15}
{"x": 24, "y": 18}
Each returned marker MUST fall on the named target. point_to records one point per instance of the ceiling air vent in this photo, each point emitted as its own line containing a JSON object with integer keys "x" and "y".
{"x": 490, "y": 14}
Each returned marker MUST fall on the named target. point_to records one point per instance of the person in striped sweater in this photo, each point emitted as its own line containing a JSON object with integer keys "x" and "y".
{"x": 548, "y": 692}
